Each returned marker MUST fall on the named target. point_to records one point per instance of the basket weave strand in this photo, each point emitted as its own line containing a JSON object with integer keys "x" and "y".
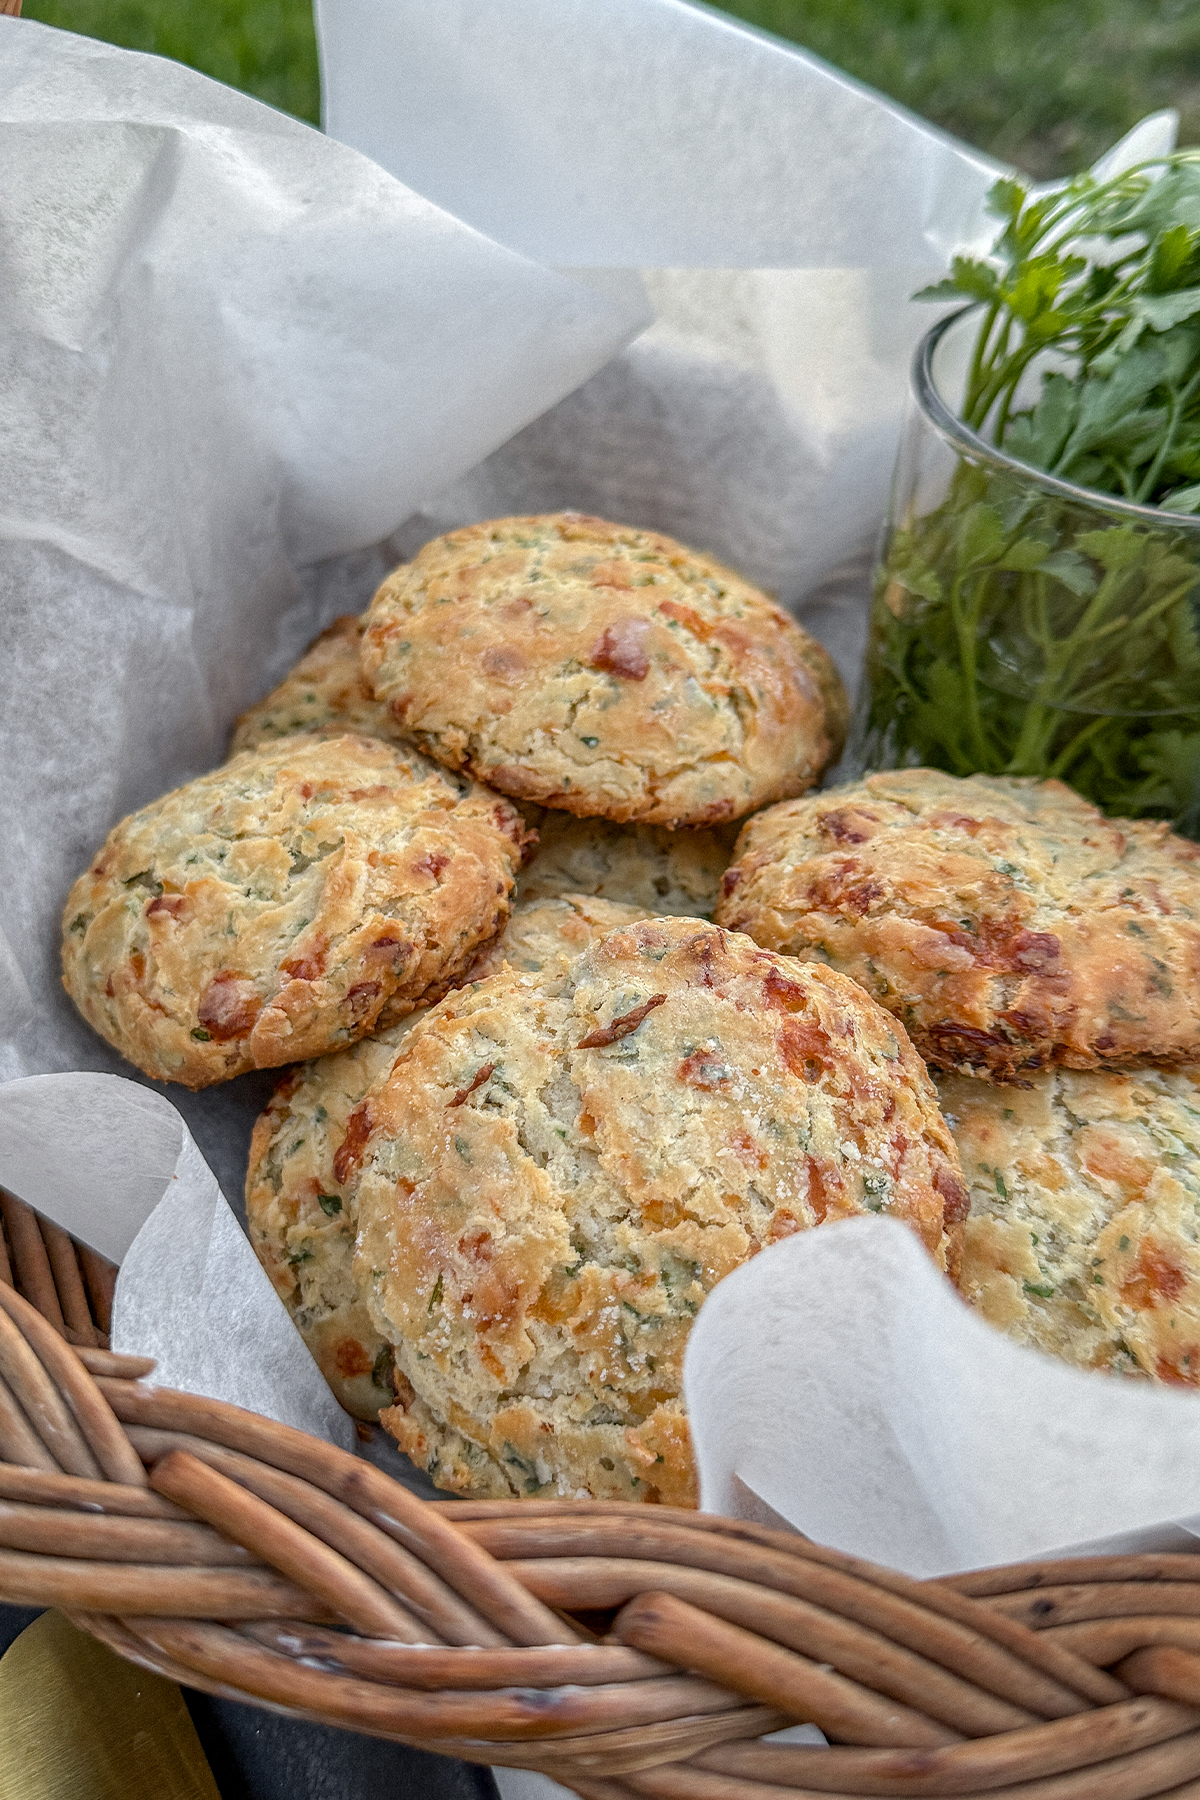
{"x": 69, "y": 1284}
{"x": 626, "y": 1651}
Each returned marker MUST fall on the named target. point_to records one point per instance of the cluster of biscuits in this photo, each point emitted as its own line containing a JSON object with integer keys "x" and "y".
{"x": 1045, "y": 962}
{"x": 553, "y": 1067}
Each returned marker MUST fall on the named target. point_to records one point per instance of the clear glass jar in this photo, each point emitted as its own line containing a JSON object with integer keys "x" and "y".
{"x": 1025, "y": 626}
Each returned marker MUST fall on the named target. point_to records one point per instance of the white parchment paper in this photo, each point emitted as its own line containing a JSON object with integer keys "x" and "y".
{"x": 839, "y": 1380}
{"x": 116, "y": 1166}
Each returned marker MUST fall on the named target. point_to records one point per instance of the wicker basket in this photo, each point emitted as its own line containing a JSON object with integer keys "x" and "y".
{"x": 622, "y": 1649}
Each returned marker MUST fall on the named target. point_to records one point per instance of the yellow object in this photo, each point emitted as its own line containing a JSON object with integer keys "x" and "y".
{"x": 77, "y": 1722}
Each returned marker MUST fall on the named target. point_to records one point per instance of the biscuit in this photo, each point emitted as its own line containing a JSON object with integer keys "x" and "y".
{"x": 301, "y": 1219}
{"x": 285, "y": 905}
{"x": 544, "y": 926}
{"x": 602, "y": 670}
{"x": 326, "y": 688}
{"x": 561, "y": 1165}
{"x": 648, "y": 866}
{"x": 300, "y": 1226}
{"x": 1007, "y": 923}
{"x": 1085, "y": 1197}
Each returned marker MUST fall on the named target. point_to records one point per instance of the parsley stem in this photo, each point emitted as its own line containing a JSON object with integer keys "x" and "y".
{"x": 1075, "y": 747}
{"x": 977, "y": 359}
{"x": 1179, "y": 400}
{"x": 1038, "y": 725}
{"x": 966, "y": 623}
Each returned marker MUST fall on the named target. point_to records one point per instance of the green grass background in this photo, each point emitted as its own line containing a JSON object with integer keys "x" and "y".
{"x": 1046, "y": 84}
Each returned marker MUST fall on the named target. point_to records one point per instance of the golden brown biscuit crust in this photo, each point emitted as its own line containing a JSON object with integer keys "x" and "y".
{"x": 1085, "y": 1203}
{"x": 561, "y": 1166}
{"x": 602, "y": 670}
{"x": 301, "y": 1217}
{"x": 326, "y": 688}
{"x": 285, "y": 905}
{"x": 300, "y": 1224}
{"x": 547, "y": 926}
{"x": 1007, "y": 923}
{"x": 646, "y": 866}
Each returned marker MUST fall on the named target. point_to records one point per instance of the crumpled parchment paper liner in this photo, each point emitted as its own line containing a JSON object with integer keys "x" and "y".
{"x": 840, "y": 1379}
{"x": 115, "y": 1165}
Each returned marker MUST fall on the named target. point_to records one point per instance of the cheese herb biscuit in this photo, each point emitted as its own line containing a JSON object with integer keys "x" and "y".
{"x": 285, "y": 905}
{"x": 562, "y": 1164}
{"x": 1084, "y": 1232}
{"x": 300, "y": 1215}
{"x": 602, "y": 670}
{"x": 326, "y": 688}
{"x": 1008, "y": 923}
{"x": 648, "y": 866}
{"x": 300, "y": 1225}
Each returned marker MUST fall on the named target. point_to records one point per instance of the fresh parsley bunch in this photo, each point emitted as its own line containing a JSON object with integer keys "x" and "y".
{"x": 1106, "y": 276}
{"x": 1021, "y": 631}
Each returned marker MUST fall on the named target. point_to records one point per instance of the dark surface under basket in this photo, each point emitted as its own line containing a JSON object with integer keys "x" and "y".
{"x": 256, "y": 1755}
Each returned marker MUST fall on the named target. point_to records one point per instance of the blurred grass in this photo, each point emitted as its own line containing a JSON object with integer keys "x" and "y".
{"x": 265, "y": 47}
{"x": 1046, "y": 84}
